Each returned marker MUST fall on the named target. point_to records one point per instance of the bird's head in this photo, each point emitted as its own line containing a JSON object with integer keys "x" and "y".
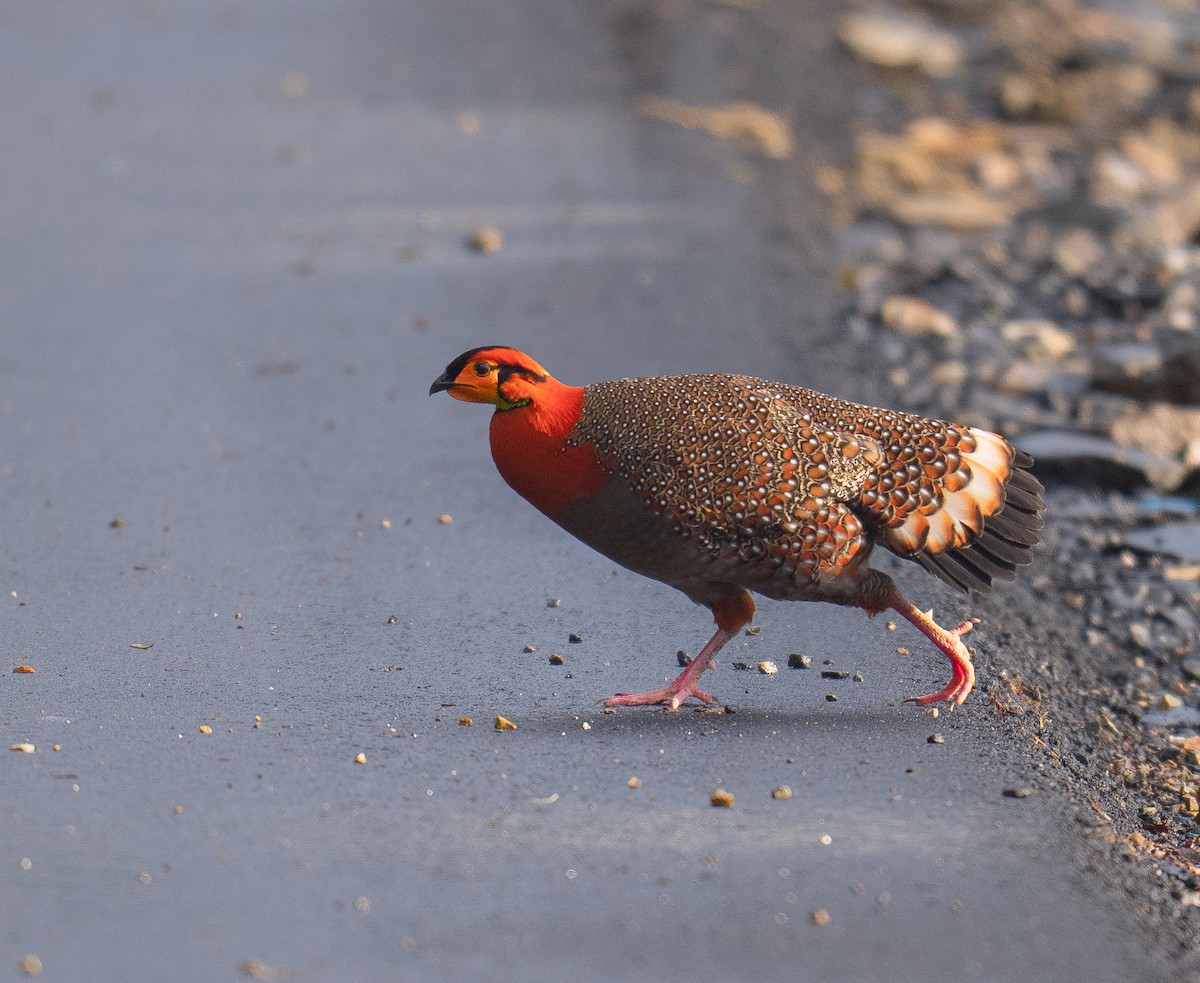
{"x": 504, "y": 377}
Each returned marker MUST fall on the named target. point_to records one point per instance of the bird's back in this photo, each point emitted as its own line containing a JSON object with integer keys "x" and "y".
{"x": 780, "y": 480}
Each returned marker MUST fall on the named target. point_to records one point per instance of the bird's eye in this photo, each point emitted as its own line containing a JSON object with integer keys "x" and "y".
{"x": 482, "y": 369}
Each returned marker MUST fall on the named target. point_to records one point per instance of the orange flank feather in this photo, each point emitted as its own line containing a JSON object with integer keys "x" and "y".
{"x": 721, "y": 484}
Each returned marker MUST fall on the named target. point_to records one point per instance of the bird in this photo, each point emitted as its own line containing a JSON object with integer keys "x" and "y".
{"x": 720, "y": 485}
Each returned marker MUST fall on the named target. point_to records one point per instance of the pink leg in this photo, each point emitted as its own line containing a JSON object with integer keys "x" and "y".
{"x": 949, "y": 640}
{"x": 730, "y": 616}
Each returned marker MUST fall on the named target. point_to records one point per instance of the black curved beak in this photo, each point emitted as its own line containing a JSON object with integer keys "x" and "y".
{"x": 441, "y": 383}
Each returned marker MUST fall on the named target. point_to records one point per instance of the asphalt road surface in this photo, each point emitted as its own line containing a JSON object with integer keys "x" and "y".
{"x": 234, "y": 257}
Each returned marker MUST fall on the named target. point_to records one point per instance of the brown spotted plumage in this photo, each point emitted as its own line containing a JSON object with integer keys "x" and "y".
{"x": 719, "y": 484}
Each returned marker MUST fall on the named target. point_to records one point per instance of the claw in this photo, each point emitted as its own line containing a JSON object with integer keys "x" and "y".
{"x": 949, "y": 640}
{"x": 673, "y": 696}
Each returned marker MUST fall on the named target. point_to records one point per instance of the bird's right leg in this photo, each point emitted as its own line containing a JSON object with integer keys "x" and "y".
{"x": 881, "y": 593}
{"x": 731, "y": 613}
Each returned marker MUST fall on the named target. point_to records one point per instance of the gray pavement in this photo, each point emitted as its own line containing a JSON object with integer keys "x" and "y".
{"x": 234, "y": 260}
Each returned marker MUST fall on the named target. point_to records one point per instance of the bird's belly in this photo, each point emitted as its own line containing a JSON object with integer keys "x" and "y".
{"x": 617, "y": 522}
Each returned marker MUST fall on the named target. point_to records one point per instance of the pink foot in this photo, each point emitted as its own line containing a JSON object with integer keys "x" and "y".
{"x": 962, "y": 678}
{"x": 673, "y": 696}
{"x": 730, "y": 613}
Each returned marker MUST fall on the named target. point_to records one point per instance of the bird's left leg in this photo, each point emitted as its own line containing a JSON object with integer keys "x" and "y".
{"x": 731, "y": 613}
{"x": 949, "y": 640}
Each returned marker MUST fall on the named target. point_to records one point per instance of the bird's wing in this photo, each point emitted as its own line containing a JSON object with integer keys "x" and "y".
{"x": 958, "y": 500}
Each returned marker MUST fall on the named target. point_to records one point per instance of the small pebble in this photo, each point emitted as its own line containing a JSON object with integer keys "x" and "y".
{"x": 553, "y": 602}
{"x": 768, "y": 668}
{"x": 683, "y": 658}
{"x": 392, "y": 619}
{"x": 26, "y": 669}
{"x": 487, "y": 239}
{"x": 798, "y": 661}
{"x": 781, "y": 792}
{"x": 205, "y": 729}
{"x": 445, "y": 518}
{"x": 528, "y": 648}
{"x": 360, "y": 758}
{"x": 935, "y": 739}
{"x": 834, "y": 674}
{"x": 503, "y": 723}
{"x": 31, "y": 965}
{"x": 753, "y": 629}
{"x": 557, "y": 660}
{"x": 857, "y": 677}
{"x": 574, "y": 639}
{"x": 1018, "y": 793}
{"x": 465, "y": 721}
{"x": 720, "y": 798}
{"x": 831, "y": 697}
{"x": 23, "y": 748}
{"x": 820, "y": 917}
{"x": 634, "y": 782}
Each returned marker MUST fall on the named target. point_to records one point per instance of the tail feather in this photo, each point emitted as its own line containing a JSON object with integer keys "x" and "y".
{"x": 986, "y": 524}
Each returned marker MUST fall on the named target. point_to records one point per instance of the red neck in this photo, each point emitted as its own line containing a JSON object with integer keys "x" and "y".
{"x": 529, "y": 446}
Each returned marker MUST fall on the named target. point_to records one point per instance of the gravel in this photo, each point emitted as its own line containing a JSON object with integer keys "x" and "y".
{"x": 1023, "y": 254}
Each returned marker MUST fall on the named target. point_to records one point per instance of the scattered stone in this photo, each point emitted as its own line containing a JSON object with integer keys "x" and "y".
{"x": 1017, "y": 793}
{"x": 798, "y": 661}
{"x": 1038, "y": 339}
{"x": 752, "y": 125}
{"x": 31, "y": 965}
{"x": 834, "y": 674}
{"x": 1180, "y": 540}
{"x": 23, "y": 748}
{"x": 1077, "y": 251}
{"x": 557, "y": 660}
{"x": 1128, "y": 368}
{"x": 895, "y": 40}
{"x": 503, "y": 723}
{"x": 465, "y": 721}
{"x": 917, "y": 318}
{"x": 360, "y": 758}
{"x": 445, "y": 519}
{"x": 935, "y": 739}
{"x": 574, "y": 638}
{"x": 820, "y": 917}
{"x": 1160, "y": 428}
{"x": 768, "y": 668}
{"x": 1080, "y": 458}
{"x": 28, "y": 670}
{"x": 781, "y": 792}
{"x": 831, "y": 697}
{"x": 487, "y": 239}
{"x": 721, "y": 799}
{"x": 634, "y": 782}
{"x": 683, "y": 658}
{"x": 1168, "y": 701}
{"x": 754, "y": 629}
